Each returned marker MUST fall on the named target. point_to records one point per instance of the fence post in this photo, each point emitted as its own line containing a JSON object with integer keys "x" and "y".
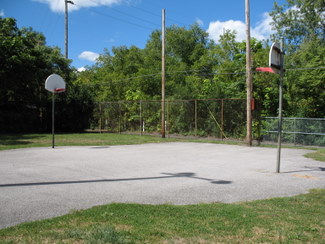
{"x": 140, "y": 118}
{"x": 222, "y": 118}
{"x": 259, "y": 119}
{"x": 294, "y": 131}
{"x": 168, "y": 118}
{"x": 119, "y": 117}
{"x": 100, "y": 118}
{"x": 195, "y": 114}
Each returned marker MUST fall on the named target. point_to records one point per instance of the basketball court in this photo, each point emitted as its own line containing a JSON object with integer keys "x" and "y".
{"x": 40, "y": 183}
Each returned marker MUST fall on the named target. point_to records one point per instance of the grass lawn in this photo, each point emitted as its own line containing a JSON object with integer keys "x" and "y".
{"x": 318, "y": 155}
{"x": 299, "y": 219}
{"x": 14, "y": 141}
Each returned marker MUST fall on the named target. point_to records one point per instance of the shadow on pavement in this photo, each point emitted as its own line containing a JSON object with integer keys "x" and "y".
{"x": 168, "y": 175}
{"x": 307, "y": 169}
{"x": 18, "y": 139}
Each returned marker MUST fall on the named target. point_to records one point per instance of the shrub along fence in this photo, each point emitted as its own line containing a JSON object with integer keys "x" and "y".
{"x": 220, "y": 118}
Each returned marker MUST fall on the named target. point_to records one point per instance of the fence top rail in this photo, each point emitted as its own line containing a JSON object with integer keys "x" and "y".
{"x": 294, "y": 118}
{"x": 176, "y": 100}
{"x": 297, "y": 132}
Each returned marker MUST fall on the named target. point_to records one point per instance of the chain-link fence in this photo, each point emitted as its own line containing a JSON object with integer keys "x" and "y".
{"x": 303, "y": 131}
{"x": 220, "y": 118}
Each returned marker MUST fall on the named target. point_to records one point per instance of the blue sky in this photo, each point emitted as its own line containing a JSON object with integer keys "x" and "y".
{"x": 98, "y": 24}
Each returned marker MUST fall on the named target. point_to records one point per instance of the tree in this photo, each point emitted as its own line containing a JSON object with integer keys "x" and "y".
{"x": 305, "y": 88}
{"x": 298, "y": 20}
{"x": 25, "y": 63}
{"x": 229, "y": 56}
{"x": 302, "y": 25}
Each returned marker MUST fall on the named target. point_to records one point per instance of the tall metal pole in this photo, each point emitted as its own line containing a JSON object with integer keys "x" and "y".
{"x": 66, "y": 28}
{"x": 280, "y": 107}
{"x": 53, "y": 100}
{"x": 163, "y": 75}
{"x": 248, "y": 76}
{"x": 66, "y": 38}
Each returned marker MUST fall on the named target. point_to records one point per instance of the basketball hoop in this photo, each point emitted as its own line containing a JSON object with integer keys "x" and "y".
{"x": 55, "y": 84}
{"x": 275, "y": 58}
{"x": 275, "y": 63}
{"x": 276, "y": 66}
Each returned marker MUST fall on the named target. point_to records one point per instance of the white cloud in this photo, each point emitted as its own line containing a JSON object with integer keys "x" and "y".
{"x": 88, "y": 55}
{"x": 111, "y": 40}
{"x": 199, "y": 21}
{"x": 217, "y": 28}
{"x": 58, "y": 5}
{"x": 261, "y": 31}
{"x": 81, "y": 69}
{"x": 2, "y": 13}
{"x": 263, "y": 27}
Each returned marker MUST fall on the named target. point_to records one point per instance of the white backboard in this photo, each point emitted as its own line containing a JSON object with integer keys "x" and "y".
{"x": 55, "y": 83}
{"x": 275, "y": 57}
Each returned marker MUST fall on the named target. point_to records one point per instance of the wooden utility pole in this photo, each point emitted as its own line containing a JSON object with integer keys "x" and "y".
{"x": 249, "y": 85}
{"x": 163, "y": 75}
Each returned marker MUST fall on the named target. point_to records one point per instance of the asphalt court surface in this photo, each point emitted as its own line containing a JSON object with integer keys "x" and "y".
{"x": 39, "y": 183}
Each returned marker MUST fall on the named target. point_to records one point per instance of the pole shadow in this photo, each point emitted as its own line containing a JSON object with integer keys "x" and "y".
{"x": 307, "y": 169}
{"x": 192, "y": 175}
{"x": 99, "y": 147}
{"x": 168, "y": 175}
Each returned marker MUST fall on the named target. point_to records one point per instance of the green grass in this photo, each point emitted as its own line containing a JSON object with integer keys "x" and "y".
{"x": 14, "y": 141}
{"x": 318, "y": 155}
{"x": 299, "y": 219}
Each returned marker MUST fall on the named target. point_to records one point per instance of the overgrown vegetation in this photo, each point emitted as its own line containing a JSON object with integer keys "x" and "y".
{"x": 298, "y": 219}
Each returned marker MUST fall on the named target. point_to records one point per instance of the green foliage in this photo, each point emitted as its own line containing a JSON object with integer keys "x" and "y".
{"x": 302, "y": 24}
{"x": 298, "y": 20}
{"x": 230, "y": 66}
{"x": 25, "y": 64}
{"x": 74, "y": 109}
{"x": 305, "y": 88}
